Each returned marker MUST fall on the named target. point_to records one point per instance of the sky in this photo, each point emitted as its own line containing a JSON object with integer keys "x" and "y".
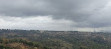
{"x": 59, "y": 15}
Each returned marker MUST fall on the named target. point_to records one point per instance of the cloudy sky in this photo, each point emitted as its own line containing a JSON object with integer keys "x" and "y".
{"x": 82, "y": 15}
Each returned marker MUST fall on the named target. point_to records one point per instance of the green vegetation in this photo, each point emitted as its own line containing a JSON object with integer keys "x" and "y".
{"x": 35, "y": 39}
{"x": 19, "y": 44}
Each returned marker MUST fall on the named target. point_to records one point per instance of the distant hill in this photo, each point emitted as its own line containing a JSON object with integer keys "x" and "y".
{"x": 58, "y": 39}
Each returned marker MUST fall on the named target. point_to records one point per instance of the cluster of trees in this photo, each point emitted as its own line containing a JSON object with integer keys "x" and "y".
{"x": 54, "y": 39}
{"x": 20, "y": 44}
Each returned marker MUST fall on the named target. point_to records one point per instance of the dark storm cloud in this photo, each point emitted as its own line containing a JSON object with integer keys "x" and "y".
{"x": 79, "y": 11}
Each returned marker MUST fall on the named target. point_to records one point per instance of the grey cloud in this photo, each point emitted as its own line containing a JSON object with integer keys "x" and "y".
{"x": 79, "y": 11}
{"x": 57, "y": 8}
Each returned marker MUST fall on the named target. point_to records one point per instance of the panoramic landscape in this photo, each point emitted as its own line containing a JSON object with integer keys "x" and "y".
{"x": 55, "y": 24}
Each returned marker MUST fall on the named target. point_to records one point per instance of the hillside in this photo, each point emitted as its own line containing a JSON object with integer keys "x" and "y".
{"x": 59, "y": 39}
{"x": 19, "y": 44}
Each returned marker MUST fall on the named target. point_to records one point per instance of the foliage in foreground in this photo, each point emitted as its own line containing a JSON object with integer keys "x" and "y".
{"x": 19, "y": 44}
